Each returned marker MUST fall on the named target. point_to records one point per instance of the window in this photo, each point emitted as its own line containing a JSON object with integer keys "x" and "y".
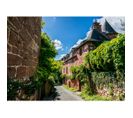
{"x": 63, "y": 70}
{"x": 91, "y": 47}
{"x": 80, "y": 51}
{"x": 66, "y": 70}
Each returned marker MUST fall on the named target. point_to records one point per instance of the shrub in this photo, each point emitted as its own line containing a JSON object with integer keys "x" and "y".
{"x": 19, "y": 89}
{"x": 107, "y": 66}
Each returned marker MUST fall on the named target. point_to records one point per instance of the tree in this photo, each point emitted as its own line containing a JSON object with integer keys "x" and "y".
{"x": 84, "y": 75}
{"x": 107, "y": 65}
{"x": 56, "y": 71}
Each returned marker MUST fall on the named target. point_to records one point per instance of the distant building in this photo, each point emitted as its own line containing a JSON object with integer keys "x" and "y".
{"x": 99, "y": 32}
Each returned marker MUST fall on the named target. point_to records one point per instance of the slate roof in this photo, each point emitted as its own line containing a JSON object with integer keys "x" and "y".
{"x": 117, "y": 23}
{"x": 107, "y": 28}
{"x": 95, "y": 35}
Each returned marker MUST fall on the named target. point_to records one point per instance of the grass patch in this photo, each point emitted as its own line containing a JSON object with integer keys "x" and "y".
{"x": 89, "y": 97}
{"x": 95, "y": 97}
{"x": 70, "y": 88}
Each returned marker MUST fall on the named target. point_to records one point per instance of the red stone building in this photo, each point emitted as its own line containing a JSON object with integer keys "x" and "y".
{"x": 98, "y": 33}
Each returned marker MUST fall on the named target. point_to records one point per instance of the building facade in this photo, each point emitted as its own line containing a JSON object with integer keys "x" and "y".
{"x": 97, "y": 34}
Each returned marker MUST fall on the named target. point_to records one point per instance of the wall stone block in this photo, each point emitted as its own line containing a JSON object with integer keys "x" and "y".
{"x": 11, "y": 71}
{"x": 14, "y": 60}
{"x": 23, "y": 40}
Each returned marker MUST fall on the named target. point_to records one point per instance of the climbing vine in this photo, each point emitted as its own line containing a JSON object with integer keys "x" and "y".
{"x": 109, "y": 56}
{"x": 103, "y": 69}
{"x": 107, "y": 66}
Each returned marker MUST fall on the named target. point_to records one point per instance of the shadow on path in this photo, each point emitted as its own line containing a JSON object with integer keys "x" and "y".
{"x": 53, "y": 96}
{"x": 63, "y": 94}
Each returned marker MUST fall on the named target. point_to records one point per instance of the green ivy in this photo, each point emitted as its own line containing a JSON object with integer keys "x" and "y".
{"x": 15, "y": 86}
{"x": 109, "y": 56}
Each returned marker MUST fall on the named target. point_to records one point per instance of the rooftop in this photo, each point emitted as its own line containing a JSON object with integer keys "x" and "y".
{"x": 95, "y": 35}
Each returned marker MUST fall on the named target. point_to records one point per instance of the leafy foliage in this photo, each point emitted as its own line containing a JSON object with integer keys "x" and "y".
{"x": 12, "y": 87}
{"x": 48, "y": 69}
{"x": 75, "y": 70}
{"x": 80, "y": 72}
{"x": 95, "y": 97}
{"x": 42, "y": 24}
{"x": 70, "y": 88}
{"x": 47, "y": 52}
{"x": 20, "y": 89}
{"x": 103, "y": 68}
{"x": 84, "y": 75}
{"x": 109, "y": 56}
{"x": 107, "y": 65}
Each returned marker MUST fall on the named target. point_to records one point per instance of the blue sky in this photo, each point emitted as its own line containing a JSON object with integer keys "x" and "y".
{"x": 65, "y": 32}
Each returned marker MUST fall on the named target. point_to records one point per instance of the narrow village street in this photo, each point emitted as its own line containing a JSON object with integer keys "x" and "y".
{"x": 66, "y": 95}
{"x": 66, "y": 59}
{"x": 62, "y": 67}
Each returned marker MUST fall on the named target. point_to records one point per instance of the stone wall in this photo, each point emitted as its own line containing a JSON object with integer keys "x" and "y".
{"x": 23, "y": 40}
{"x": 73, "y": 84}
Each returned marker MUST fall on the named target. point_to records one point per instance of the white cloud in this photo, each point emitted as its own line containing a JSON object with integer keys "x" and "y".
{"x": 118, "y": 23}
{"x": 62, "y": 55}
{"x": 77, "y": 43}
{"x": 80, "y": 40}
{"x": 87, "y": 34}
{"x": 57, "y": 44}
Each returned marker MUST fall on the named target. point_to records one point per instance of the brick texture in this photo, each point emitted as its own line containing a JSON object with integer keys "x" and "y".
{"x": 23, "y": 40}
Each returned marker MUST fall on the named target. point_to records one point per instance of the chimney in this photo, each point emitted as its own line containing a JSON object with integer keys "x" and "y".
{"x": 96, "y": 25}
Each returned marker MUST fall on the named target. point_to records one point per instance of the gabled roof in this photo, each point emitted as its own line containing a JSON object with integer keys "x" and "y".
{"x": 107, "y": 28}
{"x": 95, "y": 35}
{"x": 108, "y": 25}
{"x": 117, "y": 23}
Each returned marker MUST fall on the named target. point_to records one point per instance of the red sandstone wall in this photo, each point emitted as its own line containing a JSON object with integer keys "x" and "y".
{"x": 23, "y": 40}
{"x": 79, "y": 59}
{"x": 73, "y": 84}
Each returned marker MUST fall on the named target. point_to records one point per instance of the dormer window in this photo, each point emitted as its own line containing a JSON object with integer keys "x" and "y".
{"x": 91, "y": 47}
{"x": 97, "y": 26}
